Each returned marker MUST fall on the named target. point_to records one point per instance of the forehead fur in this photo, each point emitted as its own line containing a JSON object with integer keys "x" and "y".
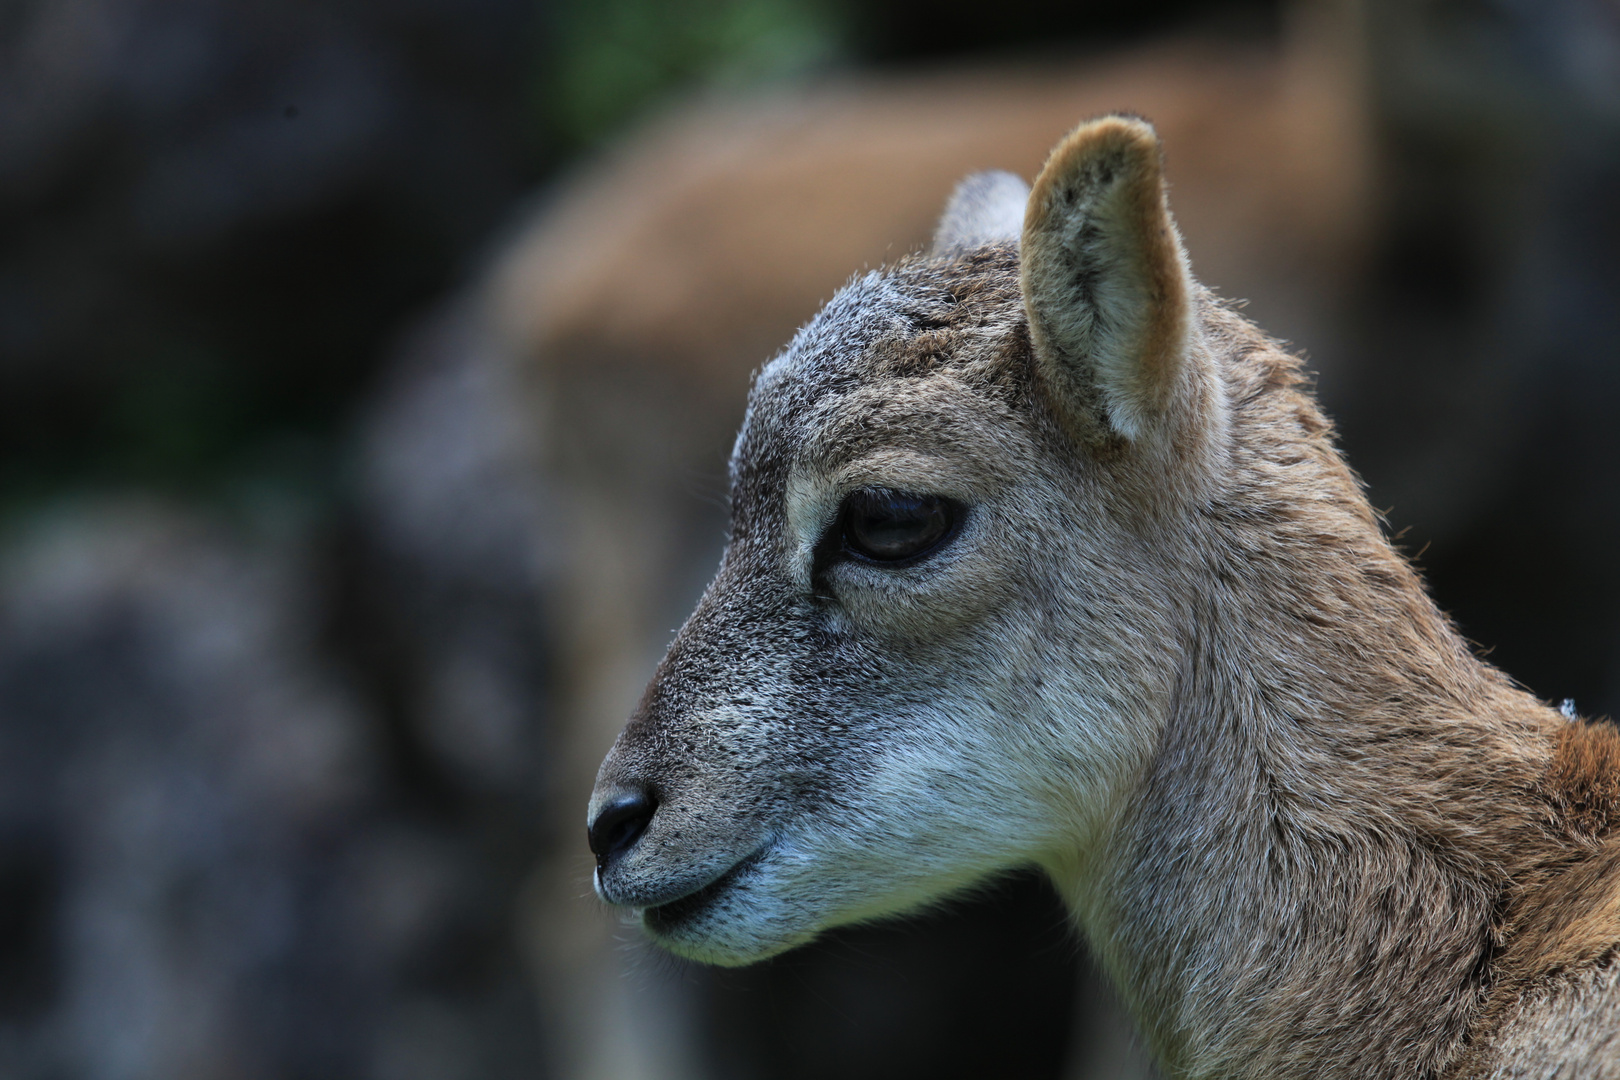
{"x": 921, "y": 321}
{"x": 960, "y": 320}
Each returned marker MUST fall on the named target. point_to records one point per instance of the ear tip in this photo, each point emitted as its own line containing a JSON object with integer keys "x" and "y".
{"x": 987, "y": 188}
{"x": 986, "y": 207}
{"x": 1132, "y": 120}
{"x": 1106, "y": 152}
{"x": 1120, "y": 135}
{"x": 1127, "y": 125}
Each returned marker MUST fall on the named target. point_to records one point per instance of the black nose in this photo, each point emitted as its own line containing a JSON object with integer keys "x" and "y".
{"x": 620, "y": 824}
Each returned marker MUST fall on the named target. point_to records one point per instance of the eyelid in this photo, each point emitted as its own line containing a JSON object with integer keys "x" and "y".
{"x": 830, "y": 548}
{"x": 909, "y": 471}
{"x": 815, "y": 496}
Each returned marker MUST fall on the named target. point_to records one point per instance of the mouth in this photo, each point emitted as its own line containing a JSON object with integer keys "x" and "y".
{"x": 663, "y": 920}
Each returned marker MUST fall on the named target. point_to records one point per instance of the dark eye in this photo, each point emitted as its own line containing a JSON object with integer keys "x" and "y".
{"x": 894, "y": 527}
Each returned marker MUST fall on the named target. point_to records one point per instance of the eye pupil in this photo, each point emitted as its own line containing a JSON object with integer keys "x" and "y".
{"x": 892, "y": 526}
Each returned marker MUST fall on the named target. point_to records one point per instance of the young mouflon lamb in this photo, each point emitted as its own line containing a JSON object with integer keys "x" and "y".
{"x": 1041, "y": 555}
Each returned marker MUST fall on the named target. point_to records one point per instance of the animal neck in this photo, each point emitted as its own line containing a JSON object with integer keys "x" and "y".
{"x": 1306, "y": 879}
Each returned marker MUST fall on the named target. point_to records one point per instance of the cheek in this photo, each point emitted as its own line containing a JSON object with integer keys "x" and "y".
{"x": 911, "y": 806}
{"x": 935, "y": 608}
{"x": 949, "y": 705}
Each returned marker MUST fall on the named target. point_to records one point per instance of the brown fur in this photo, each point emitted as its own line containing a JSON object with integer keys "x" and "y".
{"x": 1584, "y": 780}
{"x": 1561, "y": 920}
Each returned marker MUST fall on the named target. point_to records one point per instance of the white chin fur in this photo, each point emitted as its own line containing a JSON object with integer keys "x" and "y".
{"x": 786, "y": 896}
{"x": 736, "y": 925}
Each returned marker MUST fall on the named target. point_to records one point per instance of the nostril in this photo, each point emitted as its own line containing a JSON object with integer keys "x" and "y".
{"x": 620, "y": 824}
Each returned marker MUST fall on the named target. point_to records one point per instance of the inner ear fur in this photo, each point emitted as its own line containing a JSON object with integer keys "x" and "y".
{"x": 1105, "y": 281}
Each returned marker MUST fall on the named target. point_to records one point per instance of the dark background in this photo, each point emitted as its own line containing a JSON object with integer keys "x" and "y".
{"x": 229, "y": 846}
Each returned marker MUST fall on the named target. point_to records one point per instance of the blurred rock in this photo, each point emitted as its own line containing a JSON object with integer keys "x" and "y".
{"x": 213, "y": 215}
{"x": 208, "y": 868}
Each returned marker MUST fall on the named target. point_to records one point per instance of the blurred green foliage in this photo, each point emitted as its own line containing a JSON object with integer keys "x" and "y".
{"x": 610, "y": 60}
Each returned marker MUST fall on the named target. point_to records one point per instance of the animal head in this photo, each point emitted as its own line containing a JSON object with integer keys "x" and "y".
{"x": 946, "y": 632}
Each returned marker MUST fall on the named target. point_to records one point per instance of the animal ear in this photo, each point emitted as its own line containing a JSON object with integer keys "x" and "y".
{"x": 985, "y": 208}
{"x": 1105, "y": 281}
